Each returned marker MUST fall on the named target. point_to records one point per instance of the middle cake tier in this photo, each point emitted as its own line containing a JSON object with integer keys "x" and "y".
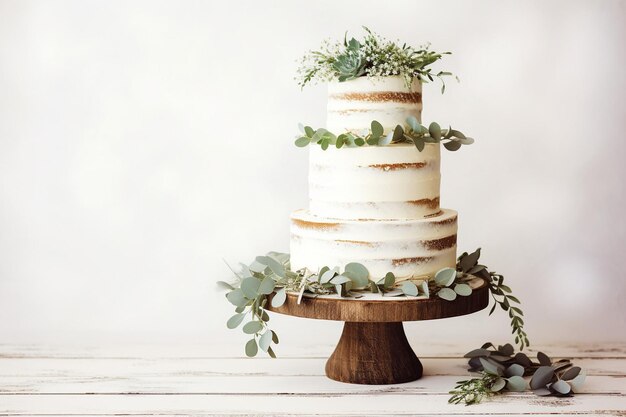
{"x": 375, "y": 182}
{"x": 408, "y": 248}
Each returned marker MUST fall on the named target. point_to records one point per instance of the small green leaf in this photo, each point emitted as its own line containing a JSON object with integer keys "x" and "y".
{"x": 445, "y": 277}
{"x": 514, "y": 370}
{"x": 265, "y": 340}
{"x": 457, "y": 134}
{"x": 398, "y": 133}
{"x": 490, "y": 367}
{"x": 544, "y": 359}
{"x": 434, "y": 130}
{"x": 452, "y": 145}
{"x": 327, "y": 276}
{"x": 356, "y": 270}
{"x": 235, "y": 321}
{"x": 224, "y": 285}
{"x": 340, "y": 279}
{"x": 377, "y": 128}
{"x": 250, "y": 287}
{"x": 477, "y": 353}
{"x": 498, "y": 385}
{"x": 447, "y": 294}
{"x": 571, "y": 373}
{"x": 251, "y": 348}
{"x": 308, "y": 130}
{"x": 385, "y": 140}
{"x": 279, "y": 298}
{"x": 236, "y": 298}
{"x": 252, "y": 327}
{"x": 340, "y": 141}
{"x": 359, "y": 141}
{"x": 561, "y": 387}
{"x": 274, "y": 337}
{"x": 302, "y": 141}
{"x": 419, "y": 143}
{"x": 267, "y": 286}
{"x": 543, "y": 375}
{"x": 413, "y": 123}
{"x": 390, "y": 280}
{"x": 408, "y": 288}
{"x": 463, "y": 289}
{"x": 270, "y": 352}
{"x": 516, "y": 383}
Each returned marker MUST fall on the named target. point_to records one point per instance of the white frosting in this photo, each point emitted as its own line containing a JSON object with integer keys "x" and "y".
{"x": 374, "y": 182}
{"x": 352, "y": 105}
{"x": 408, "y": 248}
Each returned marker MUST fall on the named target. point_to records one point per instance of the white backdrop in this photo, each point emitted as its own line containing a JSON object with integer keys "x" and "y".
{"x": 142, "y": 142}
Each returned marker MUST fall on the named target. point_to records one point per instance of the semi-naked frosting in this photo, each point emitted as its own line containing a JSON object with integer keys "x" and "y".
{"x": 375, "y": 182}
{"x": 376, "y": 205}
{"x": 408, "y": 248}
{"x": 352, "y": 105}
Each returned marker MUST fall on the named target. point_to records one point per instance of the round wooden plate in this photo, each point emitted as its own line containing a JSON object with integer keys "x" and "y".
{"x": 373, "y": 348}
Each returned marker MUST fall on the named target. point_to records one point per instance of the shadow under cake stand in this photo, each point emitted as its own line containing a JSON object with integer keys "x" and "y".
{"x": 373, "y": 348}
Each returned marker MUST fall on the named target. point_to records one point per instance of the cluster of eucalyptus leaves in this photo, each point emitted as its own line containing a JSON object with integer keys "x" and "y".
{"x": 372, "y": 56}
{"x": 500, "y": 369}
{"x": 269, "y": 278}
{"x": 501, "y": 293}
{"x": 414, "y": 132}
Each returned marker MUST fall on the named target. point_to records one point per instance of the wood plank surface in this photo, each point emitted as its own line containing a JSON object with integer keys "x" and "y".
{"x": 173, "y": 381}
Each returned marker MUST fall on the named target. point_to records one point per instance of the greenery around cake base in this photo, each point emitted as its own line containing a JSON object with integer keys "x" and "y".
{"x": 499, "y": 369}
{"x": 414, "y": 133}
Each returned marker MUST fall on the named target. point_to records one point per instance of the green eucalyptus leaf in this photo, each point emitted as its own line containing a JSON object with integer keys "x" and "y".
{"x": 498, "y": 385}
{"x": 434, "y": 130}
{"x": 419, "y": 143}
{"x": 522, "y": 359}
{"x": 413, "y": 123}
{"x": 561, "y": 387}
{"x": 359, "y": 141}
{"x": 274, "y": 337}
{"x": 571, "y": 373}
{"x": 341, "y": 139}
{"x": 463, "y": 289}
{"x": 224, "y": 285}
{"x": 445, "y": 277}
{"x": 250, "y": 287}
{"x": 279, "y": 298}
{"x": 235, "y": 321}
{"x": 340, "y": 279}
{"x": 468, "y": 261}
{"x": 273, "y": 264}
{"x": 452, "y": 145}
{"x": 377, "y": 128}
{"x": 544, "y": 359}
{"x": 327, "y": 276}
{"x": 356, "y": 270}
{"x": 385, "y": 140}
{"x": 577, "y": 382}
{"x": 490, "y": 367}
{"x": 457, "y": 134}
{"x": 408, "y": 288}
{"x": 542, "y": 392}
{"x": 398, "y": 133}
{"x": 543, "y": 375}
{"x": 390, "y": 280}
{"x": 265, "y": 340}
{"x": 308, "y": 130}
{"x": 514, "y": 370}
{"x": 477, "y": 353}
{"x": 251, "y": 348}
{"x": 447, "y": 294}
{"x": 252, "y": 327}
{"x": 516, "y": 383}
{"x": 302, "y": 142}
{"x": 267, "y": 286}
{"x": 236, "y": 297}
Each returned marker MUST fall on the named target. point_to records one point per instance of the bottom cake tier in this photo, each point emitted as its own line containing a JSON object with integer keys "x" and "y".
{"x": 408, "y": 248}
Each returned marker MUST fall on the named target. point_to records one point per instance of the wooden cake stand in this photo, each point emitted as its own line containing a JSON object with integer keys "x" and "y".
{"x": 373, "y": 348}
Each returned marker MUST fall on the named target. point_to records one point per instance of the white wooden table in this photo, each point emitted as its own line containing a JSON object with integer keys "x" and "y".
{"x": 36, "y": 380}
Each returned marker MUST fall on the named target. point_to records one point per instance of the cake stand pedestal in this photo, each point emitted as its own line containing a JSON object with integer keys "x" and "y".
{"x": 373, "y": 348}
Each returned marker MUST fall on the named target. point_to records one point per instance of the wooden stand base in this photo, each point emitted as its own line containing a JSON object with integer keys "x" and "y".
{"x": 373, "y": 353}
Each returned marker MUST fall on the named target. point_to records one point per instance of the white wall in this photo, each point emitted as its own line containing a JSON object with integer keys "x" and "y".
{"x": 142, "y": 142}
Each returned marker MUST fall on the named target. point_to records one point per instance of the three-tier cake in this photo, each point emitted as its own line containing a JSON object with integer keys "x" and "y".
{"x": 375, "y": 205}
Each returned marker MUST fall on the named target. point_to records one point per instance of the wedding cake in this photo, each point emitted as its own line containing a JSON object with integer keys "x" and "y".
{"x": 375, "y": 205}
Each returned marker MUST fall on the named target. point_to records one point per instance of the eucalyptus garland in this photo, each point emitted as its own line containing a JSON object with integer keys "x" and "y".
{"x": 272, "y": 274}
{"x": 500, "y": 369}
{"x": 414, "y": 132}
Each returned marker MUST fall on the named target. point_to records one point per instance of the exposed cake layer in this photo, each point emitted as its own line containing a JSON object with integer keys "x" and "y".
{"x": 374, "y": 182}
{"x": 352, "y": 105}
{"x": 408, "y": 248}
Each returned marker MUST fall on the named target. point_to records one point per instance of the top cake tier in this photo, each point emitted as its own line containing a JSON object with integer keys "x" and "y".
{"x": 352, "y": 105}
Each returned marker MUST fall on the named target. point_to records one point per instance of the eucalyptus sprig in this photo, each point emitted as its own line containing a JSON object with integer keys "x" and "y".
{"x": 500, "y": 369}
{"x": 413, "y": 132}
{"x": 501, "y": 294}
{"x": 372, "y": 56}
